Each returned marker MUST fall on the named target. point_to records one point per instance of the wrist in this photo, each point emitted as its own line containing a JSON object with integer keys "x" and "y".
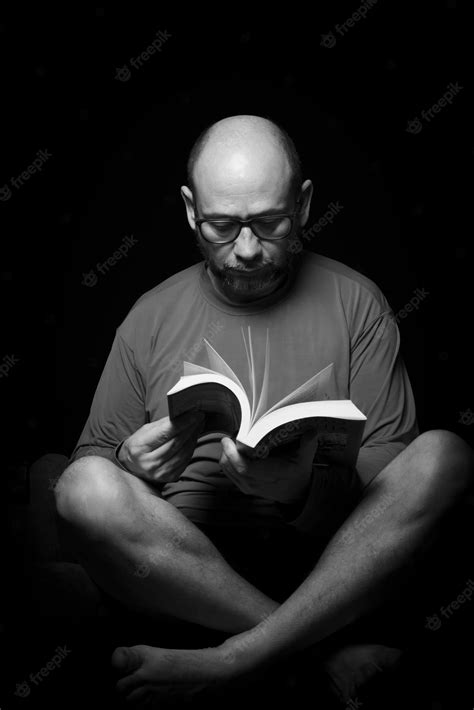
{"x": 120, "y": 457}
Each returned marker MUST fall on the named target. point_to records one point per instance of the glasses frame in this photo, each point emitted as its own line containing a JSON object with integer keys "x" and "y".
{"x": 291, "y": 216}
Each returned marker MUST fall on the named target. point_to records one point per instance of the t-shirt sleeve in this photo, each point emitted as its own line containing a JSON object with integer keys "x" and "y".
{"x": 380, "y": 388}
{"x": 118, "y": 407}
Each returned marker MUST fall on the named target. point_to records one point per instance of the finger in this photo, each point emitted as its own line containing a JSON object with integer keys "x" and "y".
{"x": 164, "y": 429}
{"x": 174, "y": 454}
{"x": 184, "y": 420}
{"x": 233, "y": 476}
{"x": 234, "y": 457}
{"x": 164, "y": 451}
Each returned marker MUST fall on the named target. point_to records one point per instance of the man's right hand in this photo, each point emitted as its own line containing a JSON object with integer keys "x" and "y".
{"x": 159, "y": 451}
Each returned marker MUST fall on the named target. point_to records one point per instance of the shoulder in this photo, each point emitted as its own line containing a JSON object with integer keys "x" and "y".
{"x": 155, "y": 304}
{"x": 362, "y": 301}
{"x": 345, "y": 278}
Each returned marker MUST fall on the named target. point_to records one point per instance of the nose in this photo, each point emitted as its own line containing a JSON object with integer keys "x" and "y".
{"x": 247, "y": 246}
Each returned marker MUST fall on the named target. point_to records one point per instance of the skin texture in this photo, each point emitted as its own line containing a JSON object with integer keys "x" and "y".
{"x": 242, "y": 172}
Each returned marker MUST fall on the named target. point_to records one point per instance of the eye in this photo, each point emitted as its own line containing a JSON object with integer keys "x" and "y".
{"x": 273, "y": 226}
{"x": 222, "y": 226}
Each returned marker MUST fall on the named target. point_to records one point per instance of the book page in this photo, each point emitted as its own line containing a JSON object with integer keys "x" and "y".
{"x": 338, "y": 439}
{"x": 312, "y": 390}
{"x": 251, "y": 366}
{"x": 190, "y": 368}
{"x": 219, "y": 365}
{"x": 339, "y": 425}
{"x": 263, "y": 399}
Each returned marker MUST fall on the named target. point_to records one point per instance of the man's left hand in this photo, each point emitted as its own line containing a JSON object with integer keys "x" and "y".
{"x": 283, "y": 479}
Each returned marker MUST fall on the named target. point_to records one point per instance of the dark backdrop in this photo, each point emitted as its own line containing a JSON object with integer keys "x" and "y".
{"x": 117, "y": 160}
{"x": 113, "y": 160}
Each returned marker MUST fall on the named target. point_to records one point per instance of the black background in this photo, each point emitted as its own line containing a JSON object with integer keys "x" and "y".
{"x": 118, "y": 154}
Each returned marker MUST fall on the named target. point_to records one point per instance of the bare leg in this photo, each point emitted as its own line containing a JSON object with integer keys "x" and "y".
{"x": 363, "y": 564}
{"x": 144, "y": 552}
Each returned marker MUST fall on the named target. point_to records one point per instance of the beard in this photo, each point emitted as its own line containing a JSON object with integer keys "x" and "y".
{"x": 250, "y": 280}
{"x": 244, "y": 280}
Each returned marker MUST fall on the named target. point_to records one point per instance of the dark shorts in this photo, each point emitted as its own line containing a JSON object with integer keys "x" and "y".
{"x": 276, "y": 559}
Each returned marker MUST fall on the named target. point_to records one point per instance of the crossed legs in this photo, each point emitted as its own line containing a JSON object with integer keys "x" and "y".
{"x": 117, "y": 525}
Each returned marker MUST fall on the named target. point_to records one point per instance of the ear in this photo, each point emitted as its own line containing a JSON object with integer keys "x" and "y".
{"x": 188, "y": 198}
{"x": 305, "y": 201}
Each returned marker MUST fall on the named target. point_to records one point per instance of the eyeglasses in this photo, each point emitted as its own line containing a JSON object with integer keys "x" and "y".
{"x": 271, "y": 227}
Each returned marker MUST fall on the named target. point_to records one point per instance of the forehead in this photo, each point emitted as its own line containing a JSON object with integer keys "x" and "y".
{"x": 243, "y": 184}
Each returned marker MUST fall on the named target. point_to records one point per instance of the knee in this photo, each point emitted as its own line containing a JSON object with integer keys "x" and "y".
{"x": 446, "y": 462}
{"x": 87, "y": 492}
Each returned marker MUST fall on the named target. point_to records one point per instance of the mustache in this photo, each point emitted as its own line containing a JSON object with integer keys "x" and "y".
{"x": 244, "y": 269}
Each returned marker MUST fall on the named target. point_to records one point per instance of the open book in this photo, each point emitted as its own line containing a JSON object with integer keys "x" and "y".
{"x": 218, "y": 392}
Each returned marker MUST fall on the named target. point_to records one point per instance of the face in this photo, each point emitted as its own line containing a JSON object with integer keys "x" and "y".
{"x": 248, "y": 268}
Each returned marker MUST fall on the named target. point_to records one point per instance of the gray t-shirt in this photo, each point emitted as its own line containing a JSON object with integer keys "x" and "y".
{"x": 324, "y": 313}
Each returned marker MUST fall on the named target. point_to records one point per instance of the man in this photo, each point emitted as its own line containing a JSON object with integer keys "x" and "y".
{"x": 144, "y": 494}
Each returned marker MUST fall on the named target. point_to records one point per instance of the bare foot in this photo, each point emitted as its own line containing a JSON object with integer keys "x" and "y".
{"x": 149, "y": 673}
{"x": 351, "y": 667}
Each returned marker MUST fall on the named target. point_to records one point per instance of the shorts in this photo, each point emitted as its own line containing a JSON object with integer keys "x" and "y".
{"x": 276, "y": 559}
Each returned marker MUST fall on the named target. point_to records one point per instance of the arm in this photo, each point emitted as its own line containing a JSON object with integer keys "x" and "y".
{"x": 118, "y": 407}
{"x": 380, "y": 388}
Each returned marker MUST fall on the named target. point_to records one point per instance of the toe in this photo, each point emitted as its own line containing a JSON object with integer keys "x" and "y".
{"x": 130, "y": 682}
{"x": 141, "y": 697}
{"x": 126, "y": 659}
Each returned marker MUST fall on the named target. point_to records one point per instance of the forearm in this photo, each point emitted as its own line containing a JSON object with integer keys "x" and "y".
{"x": 349, "y": 579}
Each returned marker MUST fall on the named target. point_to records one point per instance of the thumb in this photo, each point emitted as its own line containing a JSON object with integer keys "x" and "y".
{"x": 162, "y": 430}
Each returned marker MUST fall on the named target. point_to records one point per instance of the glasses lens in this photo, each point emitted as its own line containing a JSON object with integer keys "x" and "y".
{"x": 219, "y": 231}
{"x": 272, "y": 228}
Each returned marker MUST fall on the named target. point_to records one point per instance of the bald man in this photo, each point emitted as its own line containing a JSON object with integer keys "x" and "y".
{"x": 277, "y": 554}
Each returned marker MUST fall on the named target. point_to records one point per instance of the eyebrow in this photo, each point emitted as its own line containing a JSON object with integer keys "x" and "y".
{"x": 221, "y": 215}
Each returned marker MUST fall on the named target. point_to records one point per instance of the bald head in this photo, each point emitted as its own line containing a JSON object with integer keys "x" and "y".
{"x": 246, "y": 168}
{"x": 243, "y": 154}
